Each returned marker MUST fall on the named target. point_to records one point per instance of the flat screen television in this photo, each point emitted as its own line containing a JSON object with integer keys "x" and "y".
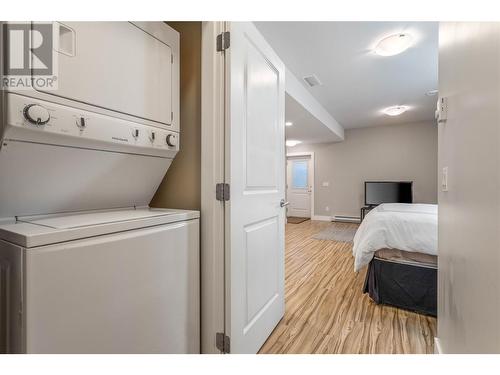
{"x": 378, "y": 192}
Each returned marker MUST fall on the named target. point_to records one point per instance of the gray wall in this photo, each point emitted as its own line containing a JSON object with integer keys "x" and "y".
{"x": 396, "y": 152}
{"x": 469, "y": 212}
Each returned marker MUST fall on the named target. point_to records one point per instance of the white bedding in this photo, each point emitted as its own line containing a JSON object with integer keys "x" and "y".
{"x": 409, "y": 227}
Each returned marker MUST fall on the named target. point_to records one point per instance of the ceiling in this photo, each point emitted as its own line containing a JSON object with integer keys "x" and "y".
{"x": 357, "y": 83}
{"x": 306, "y": 128}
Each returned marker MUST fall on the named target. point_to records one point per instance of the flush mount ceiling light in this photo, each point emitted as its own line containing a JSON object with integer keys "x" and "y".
{"x": 394, "y": 44}
{"x": 395, "y": 110}
{"x": 288, "y": 123}
{"x": 292, "y": 143}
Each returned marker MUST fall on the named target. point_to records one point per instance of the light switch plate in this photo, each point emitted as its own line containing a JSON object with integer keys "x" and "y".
{"x": 326, "y": 184}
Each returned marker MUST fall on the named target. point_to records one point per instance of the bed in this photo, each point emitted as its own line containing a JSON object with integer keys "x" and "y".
{"x": 398, "y": 243}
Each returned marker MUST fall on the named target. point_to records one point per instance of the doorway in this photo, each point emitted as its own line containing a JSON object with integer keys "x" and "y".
{"x": 300, "y": 186}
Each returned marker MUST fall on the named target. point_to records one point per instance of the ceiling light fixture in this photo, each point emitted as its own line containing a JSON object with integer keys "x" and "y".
{"x": 395, "y": 110}
{"x": 292, "y": 143}
{"x": 288, "y": 123}
{"x": 394, "y": 44}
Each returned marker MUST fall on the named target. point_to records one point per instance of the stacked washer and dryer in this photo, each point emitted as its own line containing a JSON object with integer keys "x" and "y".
{"x": 86, "y": 266}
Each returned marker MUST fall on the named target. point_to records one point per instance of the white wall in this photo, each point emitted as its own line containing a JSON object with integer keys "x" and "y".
{"x": 469, "y": 223}
{"x": 406, "y": 152}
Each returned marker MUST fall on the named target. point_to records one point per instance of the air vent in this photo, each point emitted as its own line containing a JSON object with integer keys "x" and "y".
{"x": 312, "y": 80}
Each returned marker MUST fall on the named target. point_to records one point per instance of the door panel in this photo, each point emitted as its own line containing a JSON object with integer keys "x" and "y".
{"x": 255, "y": 154}
{"x": 138, "y": 82}
{"x": 262, "y": 120}
{"x": 262, "y": 246}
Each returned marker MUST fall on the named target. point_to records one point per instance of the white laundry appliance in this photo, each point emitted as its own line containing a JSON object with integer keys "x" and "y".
{"x": 85, "y": 265}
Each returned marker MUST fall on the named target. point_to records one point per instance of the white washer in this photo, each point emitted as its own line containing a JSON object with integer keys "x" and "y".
{"x": 117, "y": 281}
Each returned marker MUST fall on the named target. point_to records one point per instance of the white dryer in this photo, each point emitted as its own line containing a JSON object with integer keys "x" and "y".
{"x": 85, "y": 265}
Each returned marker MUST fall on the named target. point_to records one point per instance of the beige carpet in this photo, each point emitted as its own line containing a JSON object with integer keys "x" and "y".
{"x": 340, "y": 232}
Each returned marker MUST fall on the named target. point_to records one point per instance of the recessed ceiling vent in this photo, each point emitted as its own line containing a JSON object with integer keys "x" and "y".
{"x": 312, "y": 80}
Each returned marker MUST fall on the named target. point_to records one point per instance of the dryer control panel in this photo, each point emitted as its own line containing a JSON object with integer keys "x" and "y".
{"x": 34, "y": 120}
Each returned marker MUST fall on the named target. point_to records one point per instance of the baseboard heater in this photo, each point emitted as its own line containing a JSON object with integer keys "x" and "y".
{"x": 346, "y": 219}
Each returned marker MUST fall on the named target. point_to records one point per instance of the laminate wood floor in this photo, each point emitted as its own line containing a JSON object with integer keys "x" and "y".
{"x": 326, "y": 311}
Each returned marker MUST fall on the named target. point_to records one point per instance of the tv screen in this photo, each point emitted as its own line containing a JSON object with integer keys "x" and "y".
{"x": 378, "y": 192}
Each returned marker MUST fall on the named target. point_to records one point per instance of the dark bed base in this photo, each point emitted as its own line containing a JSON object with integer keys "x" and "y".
{"x": 407, "y": 286}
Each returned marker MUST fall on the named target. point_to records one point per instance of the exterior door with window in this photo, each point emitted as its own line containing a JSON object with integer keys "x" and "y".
{"x": 299, "y": 186}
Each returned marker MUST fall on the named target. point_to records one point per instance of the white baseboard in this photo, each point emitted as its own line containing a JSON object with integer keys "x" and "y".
{"x": 437, "y": 346}
{"x": 322, "y": 218}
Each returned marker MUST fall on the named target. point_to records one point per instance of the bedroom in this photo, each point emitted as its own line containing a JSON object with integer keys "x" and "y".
{"x": 326, "y": 192}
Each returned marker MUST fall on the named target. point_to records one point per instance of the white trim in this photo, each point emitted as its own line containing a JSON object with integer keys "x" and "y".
{"x": 321, "y": 218}
{"x": 437, "y": 346}
{"x": 313, "y": 164}
{"x": 212, "y": 172}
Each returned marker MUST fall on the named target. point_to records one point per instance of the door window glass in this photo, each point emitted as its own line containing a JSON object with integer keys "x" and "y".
{"x": 299, "y": 174}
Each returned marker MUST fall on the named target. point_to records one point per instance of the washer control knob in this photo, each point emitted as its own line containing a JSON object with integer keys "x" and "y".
{"x": 152, "y": 136}
{"x": 171, "y": 140}
{"x": 135, "y": 133}
{"x": 36, "y": 114}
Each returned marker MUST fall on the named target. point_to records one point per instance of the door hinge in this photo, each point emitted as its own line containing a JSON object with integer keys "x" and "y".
{"x": 222, "y": 192}
{"x": 222, "y": 342}
{"x": 223, "y": 41}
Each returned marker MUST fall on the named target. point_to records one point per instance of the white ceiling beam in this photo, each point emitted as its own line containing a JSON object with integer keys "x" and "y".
{"x": 297, "y": 90}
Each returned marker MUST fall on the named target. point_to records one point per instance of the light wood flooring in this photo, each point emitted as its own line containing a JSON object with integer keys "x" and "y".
{"x": 326, "y": 311}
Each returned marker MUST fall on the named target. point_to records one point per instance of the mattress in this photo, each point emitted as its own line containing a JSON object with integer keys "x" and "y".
{"x": 408, "y": 227}
{"x": 407, "y": 257}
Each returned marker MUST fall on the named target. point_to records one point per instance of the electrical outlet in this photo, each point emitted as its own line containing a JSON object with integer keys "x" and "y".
{"x": 326, "y": 184}
{"x": 327, "y": 208}
{"x": 444, "y": 179}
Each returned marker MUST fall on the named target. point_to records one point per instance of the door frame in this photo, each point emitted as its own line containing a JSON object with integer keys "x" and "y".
{"x": 313, "y": 166}
{"x": 212, "y": 244}
{"x": 214, "y": 163}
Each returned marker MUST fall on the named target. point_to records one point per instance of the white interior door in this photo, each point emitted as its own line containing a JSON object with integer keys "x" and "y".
{"x": 299, "y": 186}
{"x": 255, "y": 159}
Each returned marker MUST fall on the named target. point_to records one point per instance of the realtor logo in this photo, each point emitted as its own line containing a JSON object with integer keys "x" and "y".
{"x": 29, "y": 57}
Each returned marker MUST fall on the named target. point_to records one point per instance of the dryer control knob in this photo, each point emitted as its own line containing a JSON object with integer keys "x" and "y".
{"x": 171, "y": 140}
{"x": 36, "y": 114}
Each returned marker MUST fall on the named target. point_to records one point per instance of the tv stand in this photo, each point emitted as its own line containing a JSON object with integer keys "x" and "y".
{"x": 364, "y": 211}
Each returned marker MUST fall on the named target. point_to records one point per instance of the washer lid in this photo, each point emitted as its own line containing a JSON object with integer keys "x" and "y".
{"x": 45, "y": 230}
{"x": 80, "y": 220}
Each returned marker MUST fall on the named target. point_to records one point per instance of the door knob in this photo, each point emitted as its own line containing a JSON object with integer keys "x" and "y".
{"x": 283, "y": 203}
